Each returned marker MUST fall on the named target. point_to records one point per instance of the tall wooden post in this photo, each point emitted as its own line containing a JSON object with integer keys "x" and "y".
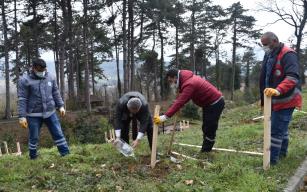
{"x": 267, "y": 132}
{"x": 154, "y": 139}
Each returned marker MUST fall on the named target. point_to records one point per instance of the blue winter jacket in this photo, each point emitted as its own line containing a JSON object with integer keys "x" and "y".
{"x": 37, "y": 96}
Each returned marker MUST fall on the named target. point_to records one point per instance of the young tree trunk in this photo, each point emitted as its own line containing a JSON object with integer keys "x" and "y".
{"x": 234, "y": 47}
{"x": 155, "y": 68}
{"x": 85, "y": 41}
{"x": 62, "y": 75}
{"x": 63, "y": 4}
{"x": 116, "y": 42}
{"x": 6, "y": 64}
{"x": 131, "y": 49}
{"x": 141, "y": 28}
{"x": 247, "y": 74}
{"x": 35, "y": 21}
{"x": 78, "y": 71}
{"x": 298, "y": 51}
{"x": 177, "y": 49}
{"x": 70, "y": 65}
{"x": 17, "y": 67}
{"x": 56, "y": 46}
{"x": 161, "y": 61}
{"x": 192, "y": 43}
{"x": 92, "y": 67}
{"x": 125, "y": 59}
{"x": 217, "y": 68}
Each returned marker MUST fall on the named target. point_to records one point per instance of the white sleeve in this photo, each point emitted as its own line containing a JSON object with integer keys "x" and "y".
{"x": 140, "y": 135}
{"x": 117, "y": 133}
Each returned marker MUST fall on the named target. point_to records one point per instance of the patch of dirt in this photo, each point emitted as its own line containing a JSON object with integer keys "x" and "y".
{"x": 161, "y": 170}
{"x": 304, "y": 187}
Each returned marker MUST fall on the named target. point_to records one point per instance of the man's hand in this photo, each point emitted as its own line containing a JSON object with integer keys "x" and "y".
{"x": 135, "y": 143}
{"x": 62, "y": 111}
{"x": 271, "y": 92}
{"x": 159, "y": 119}
{"x": 23, "y": 122}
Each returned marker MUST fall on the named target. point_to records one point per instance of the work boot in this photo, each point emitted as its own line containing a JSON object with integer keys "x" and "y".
{"x": 207, "y": 145}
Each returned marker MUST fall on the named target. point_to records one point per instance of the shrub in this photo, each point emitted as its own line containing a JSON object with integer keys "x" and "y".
{"x": 190, "y": 110}
{"x": 90, "y": 129}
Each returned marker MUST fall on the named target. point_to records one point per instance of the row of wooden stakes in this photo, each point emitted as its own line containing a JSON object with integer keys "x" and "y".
{"x": 184, "y": 124}
{"x": 6, "y": 149}
{"x": 111, "y": 136}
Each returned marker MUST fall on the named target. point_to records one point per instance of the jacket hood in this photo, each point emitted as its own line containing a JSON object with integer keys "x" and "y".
{"x": 184, "y": 75}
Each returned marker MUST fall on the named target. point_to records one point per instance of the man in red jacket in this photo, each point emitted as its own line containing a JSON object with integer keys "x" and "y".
{"x": 202, "y": 94}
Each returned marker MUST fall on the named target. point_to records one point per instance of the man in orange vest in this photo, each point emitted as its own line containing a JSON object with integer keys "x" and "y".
{"x": 279, "y": 79}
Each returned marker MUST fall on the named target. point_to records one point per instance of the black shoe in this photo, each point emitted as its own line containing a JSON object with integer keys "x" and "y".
{"x": 207, "y": 145}
{"x": 282, "y": 156}
{"x": 33, "y": 157}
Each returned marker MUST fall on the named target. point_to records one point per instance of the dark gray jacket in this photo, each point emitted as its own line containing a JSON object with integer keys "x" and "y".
{"x": 123, "y": 115}
{"x": 38, "y": 96}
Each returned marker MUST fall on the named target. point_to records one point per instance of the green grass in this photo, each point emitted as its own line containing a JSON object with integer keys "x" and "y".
{"x": 101, "y": 168}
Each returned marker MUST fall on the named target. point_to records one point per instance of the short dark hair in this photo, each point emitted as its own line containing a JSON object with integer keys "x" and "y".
{"x": 172, "y": 73}
{"x": 271, "y": 36}
{"x": 39, "y": 62}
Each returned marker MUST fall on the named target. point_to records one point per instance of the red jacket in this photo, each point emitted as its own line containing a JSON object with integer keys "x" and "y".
{"x": 193, "y": 87}
{"x": 283, "y": 76}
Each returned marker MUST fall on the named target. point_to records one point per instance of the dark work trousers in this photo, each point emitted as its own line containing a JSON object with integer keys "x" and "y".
{"x": 125, "y": 130}
{"x": 211, "y": 116}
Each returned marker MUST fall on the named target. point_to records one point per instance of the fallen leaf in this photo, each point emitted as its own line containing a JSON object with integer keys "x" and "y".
{"x": 119, "y": 188}
{"x": 189, "y": 182}
{"x": 179, "y": 167}
{"x": 98, "y": 175}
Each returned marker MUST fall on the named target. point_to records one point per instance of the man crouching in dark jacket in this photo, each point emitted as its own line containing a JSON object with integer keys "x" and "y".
{"x": 133, "y": 106}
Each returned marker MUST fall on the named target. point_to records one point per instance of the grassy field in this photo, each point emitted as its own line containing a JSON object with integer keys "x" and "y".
{"x": 101, "y": 168}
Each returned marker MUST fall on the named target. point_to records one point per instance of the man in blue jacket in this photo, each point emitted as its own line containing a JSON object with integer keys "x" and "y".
{"x": 38, "y": 99}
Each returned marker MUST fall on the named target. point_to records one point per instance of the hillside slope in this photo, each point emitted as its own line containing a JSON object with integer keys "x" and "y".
{"x": 102, "y": 168}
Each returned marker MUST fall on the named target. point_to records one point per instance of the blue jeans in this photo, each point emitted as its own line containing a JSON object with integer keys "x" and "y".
{"x": 279, "y": 133}
{"x": 54, "y": 127}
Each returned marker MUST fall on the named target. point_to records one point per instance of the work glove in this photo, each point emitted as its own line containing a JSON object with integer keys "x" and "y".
{"x": 271, "y": 92}
{"x": 62, "y": 111}
{"x": 23, "y": 122}
{"x": 160, "y": 119}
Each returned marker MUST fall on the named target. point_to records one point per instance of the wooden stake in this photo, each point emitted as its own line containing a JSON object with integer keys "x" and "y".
{"x": 18, "y": 149}
{"x": 222, "y": 149}
{"x": 172, "y": 137}
{"x": 185, "y": 156}
{"x": 0, "y": 152}
{"x": 5, "y": 147}
{"x": 113, "y": 134}
{"x": 106, "y": 137}
{"x": 267, "y": 132}
{"x": 188, "y": 124}
{"x": 154, "y": 139}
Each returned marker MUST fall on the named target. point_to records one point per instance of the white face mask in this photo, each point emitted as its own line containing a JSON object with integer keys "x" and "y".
{"x": 174, "y": 86}
{"x": 266, "y": 49}
{"x": 40, "y": 74}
